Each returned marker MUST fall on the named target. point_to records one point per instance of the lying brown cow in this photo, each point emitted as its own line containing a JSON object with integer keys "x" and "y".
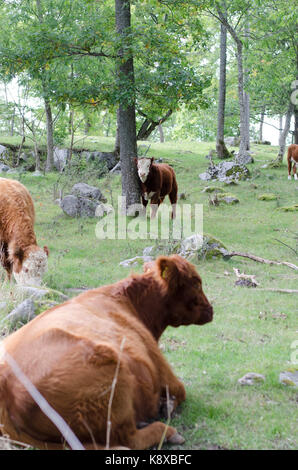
{"x": 71, "y": 353}
{"x": 19, "y": 252}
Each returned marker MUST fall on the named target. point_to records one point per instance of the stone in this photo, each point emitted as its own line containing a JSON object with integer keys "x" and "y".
{"x": 136, "y": 261}
{"x": 289, "y": 378}
{"x": 251, "y": 378}
{"x": 212, "y": 189}
{"x": 107, "y": 158}
{"x": 70, "y": 205}
{"x": 3, "y": 152}
{"x": 87, "y": 191}
{"x": 24, "y": 312}
{"x": 3, "y": 306}
{"x": 267, "y": 197}
{"x": 197, "y": 247}
{"x": 293, "y": 208}
{"x": 32, "y": 292}
{"x": 226, "y": 198}
{"x": 205, "y": 176}
{"x": 226, "y": 171}
{"x": 87, "y": 207}
{"x": 244, "y": 159}
{"x": 233, "y": 141}
{"x": 4, "y": 168}
{"x": 60, "y": 158}
{"x": 37, "y": 173}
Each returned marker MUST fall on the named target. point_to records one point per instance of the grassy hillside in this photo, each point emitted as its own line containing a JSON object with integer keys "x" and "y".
{"x": 252, "y": 330}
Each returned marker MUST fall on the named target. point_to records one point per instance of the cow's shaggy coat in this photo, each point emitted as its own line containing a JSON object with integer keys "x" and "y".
{"x": 71, "y": 354}
{"x": 19, "y": 253}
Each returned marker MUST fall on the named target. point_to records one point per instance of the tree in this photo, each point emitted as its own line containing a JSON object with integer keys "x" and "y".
{"x": 221, "y": 149}
{"x": 126, "y": 114}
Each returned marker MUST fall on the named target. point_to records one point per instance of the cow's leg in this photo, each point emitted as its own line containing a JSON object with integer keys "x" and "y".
{"x": 4, "y": 259}
{"x": 294, "y": 170}
{"x": 152, "y": 435}
{"x": 173, "y": 196}
{"x": 155, "y": 203}
{"x": 289, "y": 168}
{"x": 144, "y": 203}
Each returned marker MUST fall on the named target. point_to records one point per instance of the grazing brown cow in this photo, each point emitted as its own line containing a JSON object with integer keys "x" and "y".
{"x": 292, "y": 158}
{"x": 72, "y": 353}
{"x": 19, "y": 253}
{"x": 157, "y": 181}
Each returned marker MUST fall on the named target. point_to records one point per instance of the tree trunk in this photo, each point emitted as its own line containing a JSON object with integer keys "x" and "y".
{"x": 36, "y": 152}
{"x": 149, "y": 125}
{"x": 262, "y": 124}
{"x": 284, "y": 134}
{"x": 296, "y": 125}
{"x": 221, "y": 150}
{"x": 161, "y": 134}
{"x": 246, "y": 101}
{"x": 50, "y": 137}
{"x": 243, "y": 117}
{"x": 280, "y": 127}
{"x": 12, "y": 122}
{"x": 22, "y": 141}
{"x": 72, "y": 132}
{"x": 127, "y": 118}
{"x": 242, "y": 155}
{"x": 117, "y": 140}
{"x": 87, "y": 125}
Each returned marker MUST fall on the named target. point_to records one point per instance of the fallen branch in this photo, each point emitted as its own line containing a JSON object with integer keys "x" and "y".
{"x": 284, "y": 291}
{"x": 228, "y": 255}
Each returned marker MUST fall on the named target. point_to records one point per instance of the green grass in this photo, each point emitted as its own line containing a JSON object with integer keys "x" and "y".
{"x": 248, "y": 333}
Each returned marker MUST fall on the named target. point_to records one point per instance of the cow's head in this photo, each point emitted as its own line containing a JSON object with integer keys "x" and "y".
{"x": 29, "y": 265}
{"x": 144, "y": 165}
{"x": 187, "y": 303}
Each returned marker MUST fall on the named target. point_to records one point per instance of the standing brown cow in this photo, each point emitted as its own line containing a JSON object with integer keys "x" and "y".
{"x": 157, "y": 181}
{"x": 19, "y": 253}
{"x": 73, "y": 353}
{"x": 292, "y": 158}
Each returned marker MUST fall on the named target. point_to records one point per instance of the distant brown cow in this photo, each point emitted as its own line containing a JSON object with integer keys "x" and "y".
{"x": 19, "y": 253}
{"x": 71, "y": 353}
{"x": 292, "y": 158}
{"x": 157, "y": 181}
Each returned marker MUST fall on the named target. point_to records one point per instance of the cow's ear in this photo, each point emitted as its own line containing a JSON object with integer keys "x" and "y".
{"x": 168, "y": 270}
{"x": 152, "y": 160}
{"x": 46, "y": 250}
{"x": 136, "y": 161}
{"x": 17, "y": 259}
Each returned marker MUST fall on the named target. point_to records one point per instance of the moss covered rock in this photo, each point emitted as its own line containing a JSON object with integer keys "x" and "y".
{"x": 198, "y": 247}
{"x": 227, "y": 198}
{"x": 267, "y": 197}
{"x": 293, "y": 208}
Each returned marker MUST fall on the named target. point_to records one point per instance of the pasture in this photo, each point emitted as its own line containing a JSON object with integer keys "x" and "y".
{"x": 253, "y": 329}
